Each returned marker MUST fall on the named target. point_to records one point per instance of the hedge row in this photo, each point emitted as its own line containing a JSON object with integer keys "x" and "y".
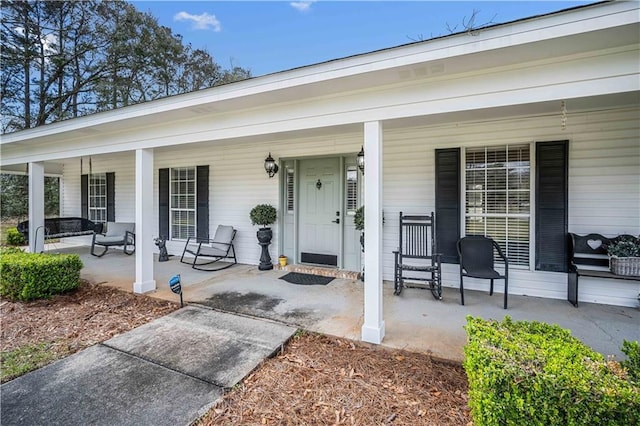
{"x": 632, "y": 363}
{"x": 28, "y": 276}
{"x": 538, "y": 374}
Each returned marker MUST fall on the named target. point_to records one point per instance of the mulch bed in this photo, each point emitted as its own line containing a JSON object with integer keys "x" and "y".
{"x": 326, "y": 380}
{"x": 76, "y": 320}
{"x": 315, "y": 380}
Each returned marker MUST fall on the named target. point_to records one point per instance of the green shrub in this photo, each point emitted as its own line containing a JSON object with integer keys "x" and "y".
{"x": 358, "y": 219}
{"x": 632, "y": 350}
{"x": 14, "y": 238}
{"x": 28, "y": 276}
{"x": 531, "y": 373}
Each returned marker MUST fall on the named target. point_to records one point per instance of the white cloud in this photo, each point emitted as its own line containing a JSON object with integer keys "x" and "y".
{"x": 204, "y": 21}
{"x": 48, "y": 41}
{"x": 301, "y": 6}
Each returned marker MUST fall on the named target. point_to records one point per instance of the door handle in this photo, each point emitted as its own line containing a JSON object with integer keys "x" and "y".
{"x": 336, "y": 221}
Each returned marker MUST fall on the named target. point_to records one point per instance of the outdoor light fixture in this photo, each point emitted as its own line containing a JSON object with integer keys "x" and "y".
{"x": 360, "y": 160}
{"x": 270, "y": 166}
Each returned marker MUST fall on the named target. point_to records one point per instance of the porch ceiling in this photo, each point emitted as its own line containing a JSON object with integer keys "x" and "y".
{"x": 540, "y": 109}
{"x": 594, "y": 103}
{"x": 551, "y": 108}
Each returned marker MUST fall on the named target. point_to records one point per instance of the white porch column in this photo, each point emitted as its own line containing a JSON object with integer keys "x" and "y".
{"x": 144, "y": 222}
{"x": 36, "y": 207}
{"x": 373, "y": 327}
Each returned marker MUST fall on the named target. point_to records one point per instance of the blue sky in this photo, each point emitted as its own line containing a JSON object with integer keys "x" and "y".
{"x": 271, "y": 36}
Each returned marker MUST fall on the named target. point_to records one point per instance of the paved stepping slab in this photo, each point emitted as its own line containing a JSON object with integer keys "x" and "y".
{"x": 102, "y": 386}
{"x": 213, "y": 346}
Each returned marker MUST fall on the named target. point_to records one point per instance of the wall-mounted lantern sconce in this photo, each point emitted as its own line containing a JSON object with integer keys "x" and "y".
{"x": 360, "y": 160}
{"x": 270, "y": 166}
{"x": 318, "y": 184}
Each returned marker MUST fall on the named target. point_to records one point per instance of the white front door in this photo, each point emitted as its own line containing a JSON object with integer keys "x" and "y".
{"x": 319, "y": 211}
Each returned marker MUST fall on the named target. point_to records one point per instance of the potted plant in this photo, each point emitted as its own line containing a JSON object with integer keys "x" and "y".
{"x": 624, "y": 255}
{"x": 264, "y": 215}
{"x": 358, "y": 221}
{"x": 282, "y": 260}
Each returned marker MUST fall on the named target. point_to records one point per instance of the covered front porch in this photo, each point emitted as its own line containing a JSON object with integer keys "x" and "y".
{"x": 414, "y": 321}
{"x": 463, "y": 125}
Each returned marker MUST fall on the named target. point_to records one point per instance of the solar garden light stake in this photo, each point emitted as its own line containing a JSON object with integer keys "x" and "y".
{"x": 174, "y": 285}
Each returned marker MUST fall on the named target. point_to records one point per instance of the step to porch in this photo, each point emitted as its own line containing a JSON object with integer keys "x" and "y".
{"x": 319, "y": 270}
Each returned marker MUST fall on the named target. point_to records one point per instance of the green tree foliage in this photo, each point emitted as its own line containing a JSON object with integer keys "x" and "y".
{"x": 14, "y": 194}
{"x": 66, "y": 59}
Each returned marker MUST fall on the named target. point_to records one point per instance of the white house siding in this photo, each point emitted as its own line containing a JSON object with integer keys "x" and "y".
{"x": 604, "y": 187}
{"x": 237, "y": 181}
{"x": 123, "y": 164}
{"x": 604, "y": 184}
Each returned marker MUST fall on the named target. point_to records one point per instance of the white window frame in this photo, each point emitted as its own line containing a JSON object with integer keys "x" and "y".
{"x": 97, "y": 180}
{"x": 532, "y": 201}
{"x": 173, "y": 209}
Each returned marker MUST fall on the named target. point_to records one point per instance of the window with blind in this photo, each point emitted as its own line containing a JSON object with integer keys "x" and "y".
{"x": 98, "y": 197}
{"x": 497, "y": 197}
{"x": 182, "y": 196}
{"x": 290, "y": 201}
{"x": 351, "y": 192}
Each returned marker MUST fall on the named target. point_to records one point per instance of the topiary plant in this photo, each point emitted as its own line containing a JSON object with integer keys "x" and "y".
{"x": 358, "y": 219}
{"x": 263, "y": 214}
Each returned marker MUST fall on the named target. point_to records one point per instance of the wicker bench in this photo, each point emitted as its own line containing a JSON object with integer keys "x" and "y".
{"x": 62, "y": 227}
{"x": 588, "y": 258}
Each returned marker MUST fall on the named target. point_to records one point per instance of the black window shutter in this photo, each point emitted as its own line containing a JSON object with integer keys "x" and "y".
{"x": 84, "y": 196}
{"x": 163, "y": 203}
{"x": 202, "y": 202}
{"x": 448, "y": 203}
{"x": 552, "y": 184}
{"x": 111, "y": 197}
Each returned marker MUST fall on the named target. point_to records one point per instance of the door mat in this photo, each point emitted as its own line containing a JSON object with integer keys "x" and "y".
{"x": 306, "y": 279}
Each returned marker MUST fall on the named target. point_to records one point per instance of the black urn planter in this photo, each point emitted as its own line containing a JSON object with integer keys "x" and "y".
{"x": 264, "y": 239}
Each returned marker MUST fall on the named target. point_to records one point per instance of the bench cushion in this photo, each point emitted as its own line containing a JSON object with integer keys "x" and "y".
{"x": 212, "y": 251}
{"x": 106, "y": 241}
{"x": 118, "y": 229}
{"x": 224, "y": 235}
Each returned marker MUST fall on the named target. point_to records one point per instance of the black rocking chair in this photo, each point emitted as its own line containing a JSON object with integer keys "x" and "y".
{"x": 477, "y": 260}
{"x": 417, "y": 254}
{"x": 206, "y": 252}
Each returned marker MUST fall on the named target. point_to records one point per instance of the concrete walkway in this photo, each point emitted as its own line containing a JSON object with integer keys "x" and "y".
{"x": 413, "y": 321}
{"x": 166, "y": 372}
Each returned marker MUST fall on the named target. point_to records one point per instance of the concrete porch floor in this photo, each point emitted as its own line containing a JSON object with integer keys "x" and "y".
{"x": 414, "y": 320}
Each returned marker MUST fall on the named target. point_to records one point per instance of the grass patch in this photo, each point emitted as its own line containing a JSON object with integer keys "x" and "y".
{"x": 25, "y": 359}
